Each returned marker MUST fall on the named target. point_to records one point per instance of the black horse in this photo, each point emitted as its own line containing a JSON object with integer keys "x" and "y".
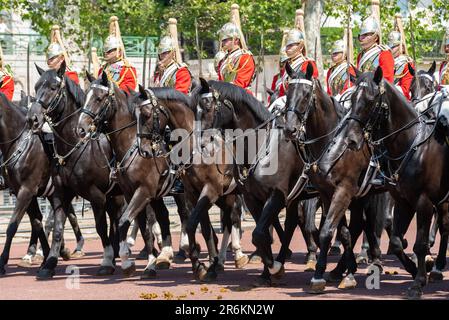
{"x": 416, "y": 171}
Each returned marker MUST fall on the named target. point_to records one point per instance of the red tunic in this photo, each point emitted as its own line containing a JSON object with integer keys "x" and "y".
{"x": 7, "y": 87}
{"x": 443, "y": 69}
{"x": 348, "y": 82}
{"x": 122, "y": 74}
{"x": 303, "y": 69}
{"x": 244, "y": 71}
{"x": 72, "y": 75}
{"x": 179, "y": 79}
{"x": 386, "y": 62}
{"x": 405, "y": 82}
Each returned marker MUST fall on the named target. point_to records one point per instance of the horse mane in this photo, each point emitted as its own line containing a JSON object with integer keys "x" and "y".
{"x": 238, "y": 95}
{"x": 75, "y": 90}
{"x": 170, "y": 94}
{"x": 23, "y": 111}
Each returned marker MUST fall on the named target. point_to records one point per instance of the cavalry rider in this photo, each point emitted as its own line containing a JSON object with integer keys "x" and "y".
{"x": 56, "y": 55}
{"x": 337, "y": 78}
{"x": 117, "y": 67}
{"x": 443, "y": 75}
{"x": 238, "y": 66}
{"x": 6, "y": 79}
{"x": 170, "y": 72}
{"x": 277, "y": 78}
{"x": 374, "y": 54}
{"x": 217, "y": 60}
{"x": 402, "y": 75}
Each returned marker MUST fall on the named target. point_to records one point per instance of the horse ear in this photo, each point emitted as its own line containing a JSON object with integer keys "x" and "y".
{"x": 411, "y": 69}
{"x": 378, "y": 75}
{"x": 39, "y": 69}
{"x": 309, "y": 71}
{"x": 289, "y": 70}
{"x": 195, "y": 84}
{"x": 204, "y": 86}
{"x": 142, "y": 91}
{"x": 358, "y": 73}
{"x": 90, "y": 77}
{"x": 61, "y": 70}
{"x": 104, "y": 78}
{"x": 432, "y": 68}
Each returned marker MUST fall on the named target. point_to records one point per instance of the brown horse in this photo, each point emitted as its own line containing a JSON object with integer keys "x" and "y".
{"x": 205, "y": 183}
{"x": 416, "y": 171}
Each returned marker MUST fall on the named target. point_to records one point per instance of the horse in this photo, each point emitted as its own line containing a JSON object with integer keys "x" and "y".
{"x": 205, "y": 183}
{"x": 415, "y": 170}
{"x": 423, "y": 82}
{"x": 225, "y": 106}
{"x": 58, "y": 102}
{"x": 27, "y": 172}
{"x": 143, "y": 180}
{"x": 308, "y": 109}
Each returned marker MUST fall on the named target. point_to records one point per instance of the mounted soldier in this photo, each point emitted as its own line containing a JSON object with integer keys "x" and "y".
{"x": 443, "y": 75}
{"x": 338, "y": 79}
{"x": 117, "y": 67}
{"x": 402, "y": 75}
{"x": 238, "y": 66}
{"x": 171, "y": 71}
{"x": 374, "y": 54}
{"x": 57, "y": 54}
{"x": 277, "y": 78}
{"x": 6, "y": 78}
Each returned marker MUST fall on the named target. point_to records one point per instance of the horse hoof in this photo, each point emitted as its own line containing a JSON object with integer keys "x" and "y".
{"x": 65, "y": 254}
{"x": 334, "y": 251}
{"x": 200, "y": 272}
{"x": 148, "y": 274}
{"x": 162, "y": 264}
{"x": 278, "y": 275}
{"x": 317, "y": 285}
{"x": 25, "y": 263}
{"x": 255, "y": 259}
{"x": 130, "y": 271}
{"x": 77, "y": 254}
{"x": 310, "y": 266}
{"x": 241, "y": 262}
{"x": 209, "y": 277}
{"x": 334, "y": 277}
{"x": 105, "y": 271}
{"x": 348, "y": 283}
{"x": 219, "y": 267}
{"x": 179, "y": 257}
{"x": 262, "y": 282}
{"x": 362, "y": 259}
{"x": 435, "y": 276}
{"x": 429, "y": 263}
{"x": 45, "y": 274}
{"x": 414, "y": 293}
{"x": 2, "y": 271}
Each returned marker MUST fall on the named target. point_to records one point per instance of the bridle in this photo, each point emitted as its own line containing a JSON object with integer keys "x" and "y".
{"x": 54, "y": 106}
{"x": 418, "y": 85}
{"x": 215, "y": 95}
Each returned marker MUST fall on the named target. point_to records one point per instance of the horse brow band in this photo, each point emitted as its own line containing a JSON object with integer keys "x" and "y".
{"x": 425, "y": 75}
{"x": 99, "y": 86}
{"x": 363, "y": 84}
{"x": 206, "y": 95}
{"x": 58, "y": 79}
{"x": 145, "y": 102}
{"x": 303, "y": 81}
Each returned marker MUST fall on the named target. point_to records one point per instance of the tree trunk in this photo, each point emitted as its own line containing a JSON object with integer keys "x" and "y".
{"x": 313, "y": 10}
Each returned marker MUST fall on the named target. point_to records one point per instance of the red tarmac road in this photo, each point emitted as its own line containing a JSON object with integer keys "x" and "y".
{"x": 178, "y": 283}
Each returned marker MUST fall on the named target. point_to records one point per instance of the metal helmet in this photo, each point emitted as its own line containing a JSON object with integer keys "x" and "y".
{"x": 229, "y": 30}
{"x": 370, "y": 25}
{"x": 394, "y": 39}
{"x": 166, "y": 44}
{"x": 54, "y": 50}
{"x": 218, "y": 57}
{"x": 294, "y": 36}
{"x": 283, "y": 56}
{"x": 338, "y": 46}
{"x": 111, "y": 42}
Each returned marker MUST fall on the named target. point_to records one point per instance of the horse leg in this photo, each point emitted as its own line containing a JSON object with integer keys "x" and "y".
{"x": 114, "y": 208}
{"x": 240, "y": 259}
{"x": 165, "y": 257}
{"x": 424, "y": 215}
{"x": 27, "y": 259}
{"x": 292, "y": 218}
{"x": 337, "y": 209}
{"x": 78, "y": 252}
{"x": 261, "y": 236}
{"x": 310, "y": 232}
{"x": 146, "y": 221}
{"x": 403, "y": 215}
{"x": 255, "y": 208}
{"x": 443, "y": 222}
{"x": 24, "y": 197}
{"x": 137, "y": 204}
{"x": 60, "y": 202}
{"x": 183, "y": 213}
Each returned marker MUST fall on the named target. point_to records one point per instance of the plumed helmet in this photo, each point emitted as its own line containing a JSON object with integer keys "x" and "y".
{"x": 111, "y": 42}
{"x": 338, "y": 46}
{"x": 370, "y": 25}
{"x": 229, "y": 30}
{"x": 54, "y": 50}
{"x": 394, "y": 39}
{"x": 166, "y": 44}
{"x": 294, "y": 36}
